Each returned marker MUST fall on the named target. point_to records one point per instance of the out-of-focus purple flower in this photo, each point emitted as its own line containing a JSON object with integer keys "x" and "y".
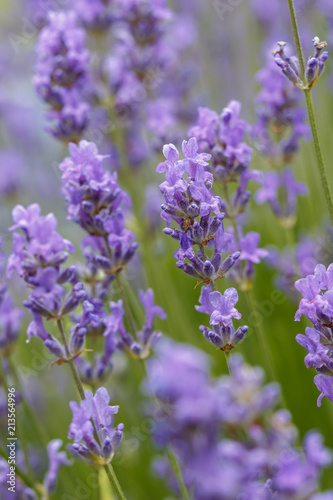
{"x": 325, "y": 384}
{"x": 12, "y": 172}
{"x": 98, "y": 15}
{"x": 229, "y": 441}
{"x": 95, "y": 414}
{"x": 280, "y": 122}
{"x": 139, "y": 348}
{"x": 281, "y": 190}
{"x": 221, "y": 311}
{"x": 56, "y": 459}
{"x": 222, "y": 136}
{"x": 61, "y": 74}
{"x": 10, "y": 323}
{"x": 291, "y": 68}
{"x": 249, "y": 248}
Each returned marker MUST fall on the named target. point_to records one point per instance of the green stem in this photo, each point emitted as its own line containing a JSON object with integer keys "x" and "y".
{"x": 320, "y": 160}
{"x": 108, "y": 467}
{"x": 296, "y": 36}
{"x": 22, "y": 475}
{"x": 203, "y": 252}
{"x": 178, "y": 473}
{"x": 227, "y": 358}
{"x": 70, "y": 360}
{"x": 310, "y": 108}
{"x": 114, "y": 481}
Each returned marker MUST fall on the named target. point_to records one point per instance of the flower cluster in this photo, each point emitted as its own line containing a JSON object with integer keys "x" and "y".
{"x": 221, "y": 310}
{"x": 291, "y": 67}
{"x": 95, "y": 201}
{"x": 38, "y": 254}
{"x": 317, "y": 306}
{"x": 95, "y": 438}
{"x": 222, "y": 136}
{"x": 62, "y": 73}
{"x": 228, "y": 438}
{"x": 188, "y": 196}
{"x": 149, "y": 87}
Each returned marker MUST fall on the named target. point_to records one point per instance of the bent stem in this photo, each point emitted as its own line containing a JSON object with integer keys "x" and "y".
{"x": 178, "y": 473}
{"x": 108, "y": 467}
{"x": 312, "y": 119}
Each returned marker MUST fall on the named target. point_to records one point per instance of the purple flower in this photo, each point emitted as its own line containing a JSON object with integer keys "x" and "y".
{"x": 61, "y": 74}
{"x": 10, "y": 323}
{"x": 56, "y": 459}
{"x": 222, "y": 136}
{"x": 95, "y": 410}
{"x": 228, "y": 439}
{"x": 221, "y": 310}
{"x": 12, "y": 172}
{"x": 39, "y": 246}
{"x": 97, "y": 15}
{"x": 278, "y": 109}
{"x": 325, "y": 385}
{"x": 139, "y": 348}
{"x": 188, "y": 196}
{"x": 277, "y": 186}
{"x": 249, "y": 248}
{"x": 291, "y": 68}
{"x": 95, "y": 201}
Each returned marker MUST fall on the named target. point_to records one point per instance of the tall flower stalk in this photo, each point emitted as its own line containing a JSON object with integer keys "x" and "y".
{"x": 309, "y": 104}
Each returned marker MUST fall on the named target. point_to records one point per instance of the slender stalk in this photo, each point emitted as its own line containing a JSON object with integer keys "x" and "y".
{"x": 178, "y": 473}
{"x": 312, "y": 119}
{"x": 71, "y": 361}
{"x": 203, "y": 252}
{"x": 114, "y": 481}
{"x": 227, "y": 358}
{"x": 108, "y": 467}
{"x": 22, "y": 475}
{"x": 320, "y": 160}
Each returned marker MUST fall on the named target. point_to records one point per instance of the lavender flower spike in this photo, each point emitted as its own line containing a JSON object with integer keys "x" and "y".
{"x": 95, "y": 410}
{"x": 291, "y": 68}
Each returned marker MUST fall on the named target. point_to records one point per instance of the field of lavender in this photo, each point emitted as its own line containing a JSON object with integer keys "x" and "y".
{"x": 166, "y": 232}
